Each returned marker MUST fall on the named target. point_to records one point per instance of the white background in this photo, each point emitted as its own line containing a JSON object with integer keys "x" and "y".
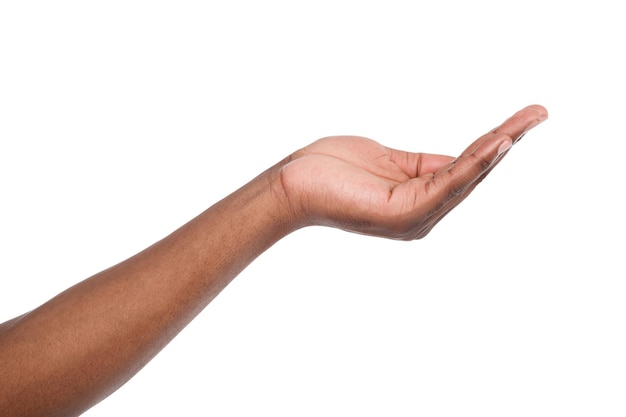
{"x": 121, "y": 120}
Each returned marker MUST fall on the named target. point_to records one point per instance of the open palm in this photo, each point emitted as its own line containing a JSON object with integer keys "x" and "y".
{"x": 357, "y": 184}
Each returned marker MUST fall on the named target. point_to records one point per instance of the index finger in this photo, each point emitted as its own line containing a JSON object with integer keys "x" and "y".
{"x": 454, "y": 182}
{"x": 514, "y": 127}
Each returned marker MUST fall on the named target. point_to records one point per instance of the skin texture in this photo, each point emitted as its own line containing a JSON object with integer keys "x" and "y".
{"x": 73, "y": 351}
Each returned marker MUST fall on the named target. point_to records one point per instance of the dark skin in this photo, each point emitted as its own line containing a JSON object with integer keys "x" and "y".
{"x": 73, "y": 351}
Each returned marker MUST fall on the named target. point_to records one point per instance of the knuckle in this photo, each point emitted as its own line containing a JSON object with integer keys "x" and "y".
{"x": 456, "y": 190}
{"x": 483, "y": 162}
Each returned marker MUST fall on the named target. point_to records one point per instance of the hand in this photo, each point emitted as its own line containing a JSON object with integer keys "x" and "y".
{"x": 356, "y": 184}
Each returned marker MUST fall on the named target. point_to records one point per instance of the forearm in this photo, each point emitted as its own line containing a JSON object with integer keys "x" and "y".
{"x": 73, "y": 351}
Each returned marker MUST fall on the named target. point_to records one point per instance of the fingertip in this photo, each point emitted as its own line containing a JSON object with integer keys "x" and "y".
{"x": 522, "y": 121}
{"x": 537, "y": 112}
{"x": 541, "y": 111}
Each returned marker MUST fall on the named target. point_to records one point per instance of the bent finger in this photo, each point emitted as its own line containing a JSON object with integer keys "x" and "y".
{"x": 456, "y": 180}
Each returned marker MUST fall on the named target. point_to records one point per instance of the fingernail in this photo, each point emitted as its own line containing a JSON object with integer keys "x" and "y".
{"x": 520, "y": 137}
{"x": 505, "y": 146}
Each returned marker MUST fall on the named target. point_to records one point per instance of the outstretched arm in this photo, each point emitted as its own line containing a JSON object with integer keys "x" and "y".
{"x": 79, "y": 347}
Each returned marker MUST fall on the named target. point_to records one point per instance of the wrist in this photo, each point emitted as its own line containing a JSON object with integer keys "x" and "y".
{"x": 286, "y": 212}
